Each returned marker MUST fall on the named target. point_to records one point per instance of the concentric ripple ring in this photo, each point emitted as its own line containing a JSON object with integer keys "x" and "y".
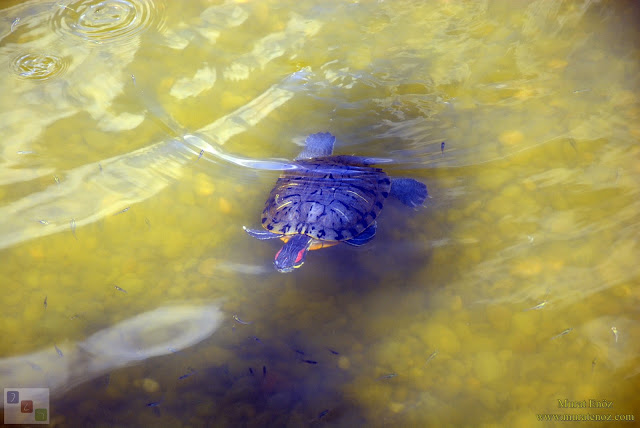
{"x": 102, "y": 21}
{"x": 39, "y": 67}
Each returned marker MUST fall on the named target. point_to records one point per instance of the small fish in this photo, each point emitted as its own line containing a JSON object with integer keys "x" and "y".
{"x": 43, "y": 222}
{"x": 58, "y": 350}
{"x": 14, "y": 24}
{"x": 119, "y": 289}
{"x": 123, "y": 211}
{"x": 389, "y": 376}
{"x": 146, "y": 220}
{"x": 133, "y": 78}
{"x": 251, "y": 371}
{"x": 573, "y": 144}
{"x": 593, "y": 364}
{"x": 255, "y": 338}
{"x": 333, "y": 352}
{"x": 442, "y": 147}
{"x": 74, "y": 316}
{"x": 200, "y": 155}
{"x": 541, "y": 304}
{"x": 538, "y": 306}
{"x": 309, "y": 361}
{"x": 100, "y": 166}
{"x": 264, "y": 371}
{"x": 45, "y": 302}
{"x": 567, "y": 331}
{"x": 25, "y": 152}
{"x": 56, "y": 179}
{"x": 615, "y": 333}
{"x": 235, "y": 317}
{"x": 186, "y": 375}
{"x": 34, "y": 366}
{"x": 73, "y": 228}
{"x": 67, "y": 7}
{"x": 577, "y": 91}
{"x": 321, "y": 415}
{"x": 432, "y": 356}
{"x": 173, "y": 350}
{"x": 154, "y": 406}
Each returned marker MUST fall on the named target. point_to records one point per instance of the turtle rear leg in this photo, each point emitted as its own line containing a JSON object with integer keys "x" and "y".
{"x": 366, "y": 236}
{"x": 261, "y": 233}
{"x": 409, "y": 191}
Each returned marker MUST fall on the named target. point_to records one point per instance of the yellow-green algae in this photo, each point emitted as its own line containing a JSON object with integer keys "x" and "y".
{"x": 532, "y": 228}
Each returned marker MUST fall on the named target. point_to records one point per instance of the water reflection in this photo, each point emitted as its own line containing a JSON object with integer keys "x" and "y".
{"x": 162, "y": 331}
{"x": 53, "y": 99}
{"x": 95, "y": 190}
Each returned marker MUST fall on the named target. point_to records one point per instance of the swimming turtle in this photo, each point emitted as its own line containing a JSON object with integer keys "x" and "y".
{"x": 327, "y": 199}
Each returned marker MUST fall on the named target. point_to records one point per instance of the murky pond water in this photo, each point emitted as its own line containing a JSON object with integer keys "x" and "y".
{"x": 138, "y": 137}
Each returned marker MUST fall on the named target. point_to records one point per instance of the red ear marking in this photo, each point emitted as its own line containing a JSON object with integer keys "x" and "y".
{"x": 300, "y": 255}
{"x": 278, "y": 253}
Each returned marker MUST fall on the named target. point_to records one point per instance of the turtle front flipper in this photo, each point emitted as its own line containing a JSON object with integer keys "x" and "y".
{"x": 317, "y": 146}
{"x": 409, "y": 191}
{"x": 366, "y": 236}
{"x": 261, "y": 234}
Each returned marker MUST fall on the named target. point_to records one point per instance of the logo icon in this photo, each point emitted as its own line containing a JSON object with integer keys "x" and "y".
{"x": 41, "y": 415}
{"x": 13, "y": 397}
{"x": 27, "y": 406}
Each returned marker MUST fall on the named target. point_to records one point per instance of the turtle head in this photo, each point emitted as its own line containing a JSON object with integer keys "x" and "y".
{"x": 292, "y": 253}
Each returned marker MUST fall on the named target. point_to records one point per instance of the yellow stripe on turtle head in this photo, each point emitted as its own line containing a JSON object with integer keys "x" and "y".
{"x": 315, "y": 245}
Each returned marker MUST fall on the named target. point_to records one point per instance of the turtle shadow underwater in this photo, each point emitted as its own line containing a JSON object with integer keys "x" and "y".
{"x": 393, "y": 259}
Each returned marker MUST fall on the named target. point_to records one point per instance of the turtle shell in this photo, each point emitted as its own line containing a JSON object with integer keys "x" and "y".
{"x": 332, "y": 198}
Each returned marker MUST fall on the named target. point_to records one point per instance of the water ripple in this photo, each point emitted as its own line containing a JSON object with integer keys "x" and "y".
{"x": 107, "y": 20}
{"x": 39, "y": 67}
